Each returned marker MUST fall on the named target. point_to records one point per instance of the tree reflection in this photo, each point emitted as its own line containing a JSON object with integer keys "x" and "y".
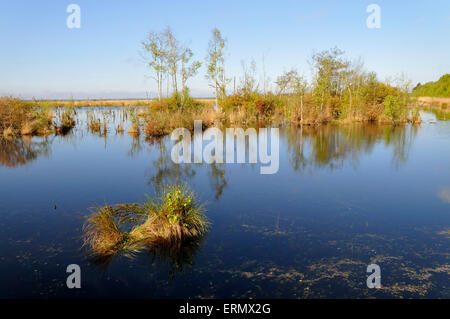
{"x": 167, "y": 171}
{"x": 331, "y": 146}
{"x": 20, "y": 151}
{"x": 217, "y": 178}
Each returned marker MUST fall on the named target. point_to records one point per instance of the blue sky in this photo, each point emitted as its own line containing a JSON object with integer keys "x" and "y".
{"x": 40, "y": 57}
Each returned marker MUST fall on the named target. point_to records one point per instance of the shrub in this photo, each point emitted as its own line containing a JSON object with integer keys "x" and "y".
{"x": 394, "y": 108}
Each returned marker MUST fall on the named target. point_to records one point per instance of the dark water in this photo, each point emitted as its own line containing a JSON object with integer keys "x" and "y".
{"x": 344, "y": 197}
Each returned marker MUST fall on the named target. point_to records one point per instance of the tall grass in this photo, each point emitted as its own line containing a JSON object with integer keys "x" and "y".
{"x": 19, "y": 117}
{"x": 174, "y": 218}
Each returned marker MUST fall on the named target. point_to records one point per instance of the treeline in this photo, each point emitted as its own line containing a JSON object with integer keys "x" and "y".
{"x": 440, "y": 88}
{"x": 338, "y": 88}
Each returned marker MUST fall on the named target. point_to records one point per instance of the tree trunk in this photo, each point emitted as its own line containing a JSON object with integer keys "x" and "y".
{"x": 301, "y": 110}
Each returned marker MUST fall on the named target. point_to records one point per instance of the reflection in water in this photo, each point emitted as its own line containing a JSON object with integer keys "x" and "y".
{"x": 136, "y": 146}
{"x": 444, "y": 194}
{"x": 20, "y": 151}
{"x": 217, "y": 179}
{"x": 331, "y": 146}
{"x": 177, "y": 257}
{"x": 441, "y": 114}
{"x": 166, "y": 171}
{"x": 285, "y": 243}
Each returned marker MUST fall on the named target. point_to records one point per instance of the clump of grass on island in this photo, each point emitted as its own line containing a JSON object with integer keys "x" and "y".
{"x": 24, "y": 118}
{"x": 174, "y": 218}
{"x": 134, "y": 129}
{"x": 180, "y": 110}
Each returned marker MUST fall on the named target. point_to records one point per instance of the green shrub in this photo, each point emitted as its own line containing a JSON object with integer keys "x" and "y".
{"x": 394, "y": 108}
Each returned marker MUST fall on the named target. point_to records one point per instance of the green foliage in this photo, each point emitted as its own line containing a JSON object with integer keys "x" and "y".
{"x": 440, "y": 88}
{"x": 24, "y": 117}
{"x": 215, "y": 63}
{"x": 168, "y": 59}
{"x": 178, "y": 205}
{"x": 182, "y": 101}
{"x": 394, "y": 107}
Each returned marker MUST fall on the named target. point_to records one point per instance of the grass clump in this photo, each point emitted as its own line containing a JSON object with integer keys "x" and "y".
{"x": 27, "y": 118}
{"x": 101, "y": 232}
{"x": 20, "y": 117}
{"x": 172, "y": 220}
{"x": 174, "y": 217}
{"x": 65, "y": 121}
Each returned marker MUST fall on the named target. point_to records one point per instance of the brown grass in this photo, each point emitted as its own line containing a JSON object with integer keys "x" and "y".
{"x": 433, "y": 101}
{"x": 171, "y": 220}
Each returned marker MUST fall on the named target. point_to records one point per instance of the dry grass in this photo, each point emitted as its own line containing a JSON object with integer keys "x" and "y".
{"x": 160, "y": 123}
{"x": 113, "y": 102}
{"x": 170, "y": 221}
{"x": 433, "y": 101}
{"x": 27, "y": 118}
{"x": 134, "y": 129}
{"x": 102, "y": 233}
{"x": 95, "y": 125}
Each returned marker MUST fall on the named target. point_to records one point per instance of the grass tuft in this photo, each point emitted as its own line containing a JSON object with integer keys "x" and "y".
{"x": 167, "y": 223}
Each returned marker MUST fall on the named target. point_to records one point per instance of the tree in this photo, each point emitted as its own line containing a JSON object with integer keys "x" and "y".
{"x": 249, "y": 83}
{"x": 173, "y": 56}
{"x": 155, "y": 57}
{"x": 328, "y": 66}
{"x": 300, "y": 86}
{"x": 188, "y": 69}
{"x": 393, "y": 107}
{"x": 215, "y": 64}
{"x": 286, "y": 82}
{"x": 163, "y": 53}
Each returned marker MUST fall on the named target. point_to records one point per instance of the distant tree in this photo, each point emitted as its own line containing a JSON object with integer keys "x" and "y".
{"x": 188, "y": 68}
{"x": 440, "y": 88}
{"x": 393, "y": 107}
{"x": 168, "y": 59}
{"x": 286, "y": 82}
{"x": 300, "y": 86}
{"x": 249, "y": 83}
{"x": 328, "y": 66}
{"x": 155, "y": 57}
{"x": 174, "y": 56}
{"x": 216, "y": 64}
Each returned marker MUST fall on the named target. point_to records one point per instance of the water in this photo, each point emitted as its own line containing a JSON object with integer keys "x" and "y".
{"x": 345, "y": 197}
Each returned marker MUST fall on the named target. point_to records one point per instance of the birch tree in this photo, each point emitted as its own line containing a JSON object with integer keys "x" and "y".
{"x": 215, "y": 64}
{"x": 300, "y": 86}
{"x": 155, "y": 57}
{"x": 173, "y": 56}
{"x": 188, "y": 68}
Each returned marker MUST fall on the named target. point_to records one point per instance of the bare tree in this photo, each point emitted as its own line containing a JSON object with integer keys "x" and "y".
{"x": 249, "y": 83}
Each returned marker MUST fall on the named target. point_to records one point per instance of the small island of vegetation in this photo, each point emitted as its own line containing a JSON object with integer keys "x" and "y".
{"x": 173, "y": 219}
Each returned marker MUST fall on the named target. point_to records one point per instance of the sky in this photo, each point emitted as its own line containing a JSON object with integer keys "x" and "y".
{"x": 40, "y": 57}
